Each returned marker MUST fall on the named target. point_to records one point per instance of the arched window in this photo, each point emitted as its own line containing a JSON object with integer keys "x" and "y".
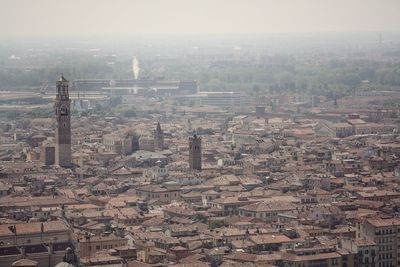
{"x": 64, "y": 111}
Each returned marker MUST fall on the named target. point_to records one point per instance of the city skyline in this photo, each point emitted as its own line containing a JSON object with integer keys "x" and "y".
{"x": 204, "y": 133}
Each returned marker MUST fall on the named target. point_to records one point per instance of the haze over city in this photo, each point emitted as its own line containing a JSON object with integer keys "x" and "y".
{"x": 124, "y": 17}
{"x": 222, "y": 133}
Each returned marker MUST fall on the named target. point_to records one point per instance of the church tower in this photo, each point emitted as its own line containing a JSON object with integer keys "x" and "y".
{"x": 62, "y": 108}
{"x": 158, "y": 138}
{"x": 195, "y": 153}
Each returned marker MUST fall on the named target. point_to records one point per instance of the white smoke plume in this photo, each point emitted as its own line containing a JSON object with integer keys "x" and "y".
{"x": 135, "y": 68}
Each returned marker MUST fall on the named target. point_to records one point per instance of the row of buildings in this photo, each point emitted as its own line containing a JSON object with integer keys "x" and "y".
{"x": 203, "y": 186}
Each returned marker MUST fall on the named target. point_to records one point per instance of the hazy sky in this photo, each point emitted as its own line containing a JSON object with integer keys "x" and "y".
{"x": 74, "y": 17}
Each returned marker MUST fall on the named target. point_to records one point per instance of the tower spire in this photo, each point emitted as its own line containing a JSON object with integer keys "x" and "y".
{"x": 62, "y": 78}
{"x": 158, "y": 137}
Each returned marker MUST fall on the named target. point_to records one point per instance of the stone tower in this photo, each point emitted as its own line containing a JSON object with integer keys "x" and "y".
{"x": 62, "y": 108}
{"x": 158, "y": 138}
{"x": 195, "y": 153}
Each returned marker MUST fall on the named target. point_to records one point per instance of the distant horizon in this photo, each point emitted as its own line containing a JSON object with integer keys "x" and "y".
{"x": 128, "y": 36}
{"x": 53, "y": 18}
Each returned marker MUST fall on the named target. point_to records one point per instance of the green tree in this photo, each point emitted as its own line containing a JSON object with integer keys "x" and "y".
{"x": 115, "y": 101}
{"x": 200, "y": 217}
{"x": 129, "y": 113}
{"x": 216, "y": 224}
{"x": 12, "y": 115}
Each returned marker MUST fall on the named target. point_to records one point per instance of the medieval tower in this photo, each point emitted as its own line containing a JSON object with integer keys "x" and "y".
{"x": 62, "y": 108}
{"x": 195, "y": 153}
{"x": 158, "y": 138}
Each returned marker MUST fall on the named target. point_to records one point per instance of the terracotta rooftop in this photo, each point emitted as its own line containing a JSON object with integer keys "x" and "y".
{"x": 33, "y": 228}
{"x": 384, "y": 222}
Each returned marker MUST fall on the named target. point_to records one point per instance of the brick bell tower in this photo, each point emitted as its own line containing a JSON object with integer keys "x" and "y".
{"x": 195, "y": 153}
{"x": 62, "y": 109}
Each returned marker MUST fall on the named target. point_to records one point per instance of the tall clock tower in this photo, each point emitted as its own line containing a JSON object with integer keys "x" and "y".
{"x": 62, "y": 109}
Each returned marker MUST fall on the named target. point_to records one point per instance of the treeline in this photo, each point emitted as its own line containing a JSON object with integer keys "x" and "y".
{"x": 247, "y": 74}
